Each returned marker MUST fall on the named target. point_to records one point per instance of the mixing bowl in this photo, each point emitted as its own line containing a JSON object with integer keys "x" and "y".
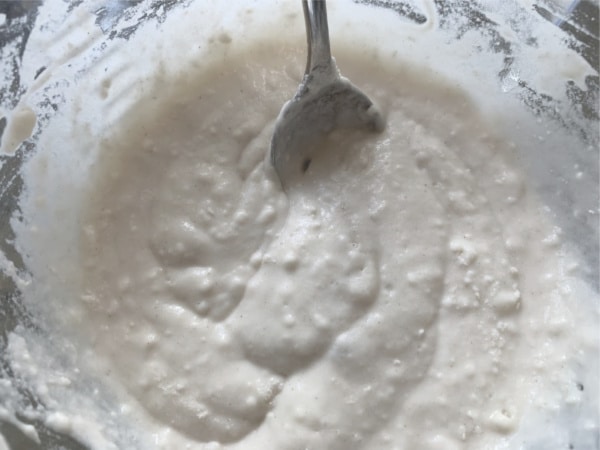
{"x": 532, "y": 66}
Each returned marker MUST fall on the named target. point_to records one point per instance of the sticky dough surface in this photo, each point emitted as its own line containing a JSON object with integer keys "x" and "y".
{"x": 375, "y": 303}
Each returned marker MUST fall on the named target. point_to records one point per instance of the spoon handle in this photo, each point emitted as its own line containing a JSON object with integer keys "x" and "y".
{"x": 317, "y": 34}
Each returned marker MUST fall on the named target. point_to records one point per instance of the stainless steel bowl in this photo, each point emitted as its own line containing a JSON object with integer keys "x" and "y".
{"x": 573, "y": 202}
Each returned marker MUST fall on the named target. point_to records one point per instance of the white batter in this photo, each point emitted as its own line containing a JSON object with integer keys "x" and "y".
{"x": 408, "y": 291}
{"x": 377, "y": 305}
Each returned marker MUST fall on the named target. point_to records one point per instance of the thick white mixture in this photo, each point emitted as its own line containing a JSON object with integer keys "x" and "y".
{"x": 381, "y": 304}
{"x": 407, "y": 291}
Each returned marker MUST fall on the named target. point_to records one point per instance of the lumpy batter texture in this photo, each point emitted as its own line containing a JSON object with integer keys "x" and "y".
{"x": 375, "y": 303}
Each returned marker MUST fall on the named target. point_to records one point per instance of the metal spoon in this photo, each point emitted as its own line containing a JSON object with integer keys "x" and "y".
{"x": 324, "y": 101}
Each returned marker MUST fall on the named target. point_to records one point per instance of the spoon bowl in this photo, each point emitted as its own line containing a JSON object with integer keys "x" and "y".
{"x": 324, "y": 101}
